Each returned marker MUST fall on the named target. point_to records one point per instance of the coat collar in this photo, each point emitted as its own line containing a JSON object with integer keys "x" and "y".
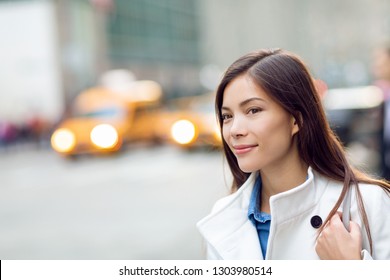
{"x": 228, "y": 230}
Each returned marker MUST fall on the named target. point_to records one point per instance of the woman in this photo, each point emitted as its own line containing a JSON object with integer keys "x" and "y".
{"x": 290, "y": 173}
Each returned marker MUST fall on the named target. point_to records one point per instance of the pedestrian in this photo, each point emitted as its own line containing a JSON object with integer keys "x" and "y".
{"x": 291, "y": 177}
{"x": 381, "y": 75}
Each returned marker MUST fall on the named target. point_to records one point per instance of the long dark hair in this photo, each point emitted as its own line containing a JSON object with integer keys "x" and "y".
{"x": 287, "y": 80}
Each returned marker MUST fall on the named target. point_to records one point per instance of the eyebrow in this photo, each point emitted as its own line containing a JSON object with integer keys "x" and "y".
{"x": 243, "y": 103}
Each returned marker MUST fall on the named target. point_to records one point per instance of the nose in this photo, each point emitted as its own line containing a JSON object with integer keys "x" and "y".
{"x": 238, "y": 128}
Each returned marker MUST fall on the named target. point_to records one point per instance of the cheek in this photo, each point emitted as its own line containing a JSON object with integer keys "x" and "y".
{"x": 225, "y": 133}
{"x": 280, "y": 142}
{"x": 273, "y": 134}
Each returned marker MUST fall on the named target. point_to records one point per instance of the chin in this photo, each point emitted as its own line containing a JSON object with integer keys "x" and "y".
{"x": 248, "y": 168}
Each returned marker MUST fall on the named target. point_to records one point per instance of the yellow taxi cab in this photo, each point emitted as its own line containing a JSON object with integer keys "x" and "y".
{"x": 192, "y": 122}
{"x": 104, "y": 120}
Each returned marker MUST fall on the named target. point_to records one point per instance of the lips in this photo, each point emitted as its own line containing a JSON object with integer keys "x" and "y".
{"x": 243, "y": 149}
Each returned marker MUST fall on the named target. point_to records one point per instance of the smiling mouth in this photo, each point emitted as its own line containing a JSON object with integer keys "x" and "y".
{"x": 243, "y": 149}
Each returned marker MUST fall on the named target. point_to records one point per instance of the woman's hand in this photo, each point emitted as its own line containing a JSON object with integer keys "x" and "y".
{"x": 336, "y": 243}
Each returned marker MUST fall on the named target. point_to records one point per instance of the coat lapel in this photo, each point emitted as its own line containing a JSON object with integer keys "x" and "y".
{"x": 227, "y": 228}
{"x": 242, "y": 244}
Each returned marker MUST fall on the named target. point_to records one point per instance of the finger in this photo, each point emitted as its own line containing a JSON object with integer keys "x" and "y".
{"x": 336, "y": 221}
{"x": 355, "y": 230}
{"x": 336, "y": 218}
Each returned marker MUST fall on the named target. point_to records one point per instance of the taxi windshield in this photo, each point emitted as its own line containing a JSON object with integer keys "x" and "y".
{"x": 111, "y": 112}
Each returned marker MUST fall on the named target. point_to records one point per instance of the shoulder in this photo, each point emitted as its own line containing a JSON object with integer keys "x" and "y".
{"x": 374, "y": 196}
{"x": 327, "y": 184}
{"x": 376, "y": 202}
{"x": 370, "y": 192}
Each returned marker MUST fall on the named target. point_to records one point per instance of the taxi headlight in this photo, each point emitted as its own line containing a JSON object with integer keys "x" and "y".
{"x": 104, "y": 136}
{"x": 183, "y": 131}
{"x": 63, "y": 140}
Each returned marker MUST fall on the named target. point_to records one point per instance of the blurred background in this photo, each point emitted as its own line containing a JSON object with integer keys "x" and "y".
{"x": 109, "y": 147}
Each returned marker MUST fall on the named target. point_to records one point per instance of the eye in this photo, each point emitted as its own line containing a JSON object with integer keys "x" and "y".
{"x": 226, "y": 117}
{"x": 254, "y": 110}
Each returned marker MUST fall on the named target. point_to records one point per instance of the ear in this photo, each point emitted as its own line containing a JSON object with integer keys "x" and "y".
{"x": 295, "y": 124}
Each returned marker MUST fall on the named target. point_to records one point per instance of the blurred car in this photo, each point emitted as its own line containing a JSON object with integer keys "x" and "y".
{"x": 191, "y": 122}
{"x": 103, "y": 120}
{"x": 356, "y": 115}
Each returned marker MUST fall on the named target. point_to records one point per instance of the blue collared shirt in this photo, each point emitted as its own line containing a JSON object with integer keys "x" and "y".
{"x": 261, "y": 220}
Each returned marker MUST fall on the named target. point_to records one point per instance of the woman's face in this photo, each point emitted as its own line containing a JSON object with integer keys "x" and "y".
{"x": 257, "y": 129}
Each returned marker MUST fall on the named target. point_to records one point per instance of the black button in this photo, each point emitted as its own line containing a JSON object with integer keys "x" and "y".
{"x": 316, "y": 221}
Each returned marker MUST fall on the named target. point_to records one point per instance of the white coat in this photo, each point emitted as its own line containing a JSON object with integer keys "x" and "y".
{"x": 229, "y": 234}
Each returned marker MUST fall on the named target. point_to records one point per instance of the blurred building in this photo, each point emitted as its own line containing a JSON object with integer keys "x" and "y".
{"x": 182, "y": 43}
{"x": 157, "y": 40}
{"x": 334, "y": 37}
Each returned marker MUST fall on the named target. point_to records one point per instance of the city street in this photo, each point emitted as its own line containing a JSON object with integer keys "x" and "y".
{"x": 140, "y": 204}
